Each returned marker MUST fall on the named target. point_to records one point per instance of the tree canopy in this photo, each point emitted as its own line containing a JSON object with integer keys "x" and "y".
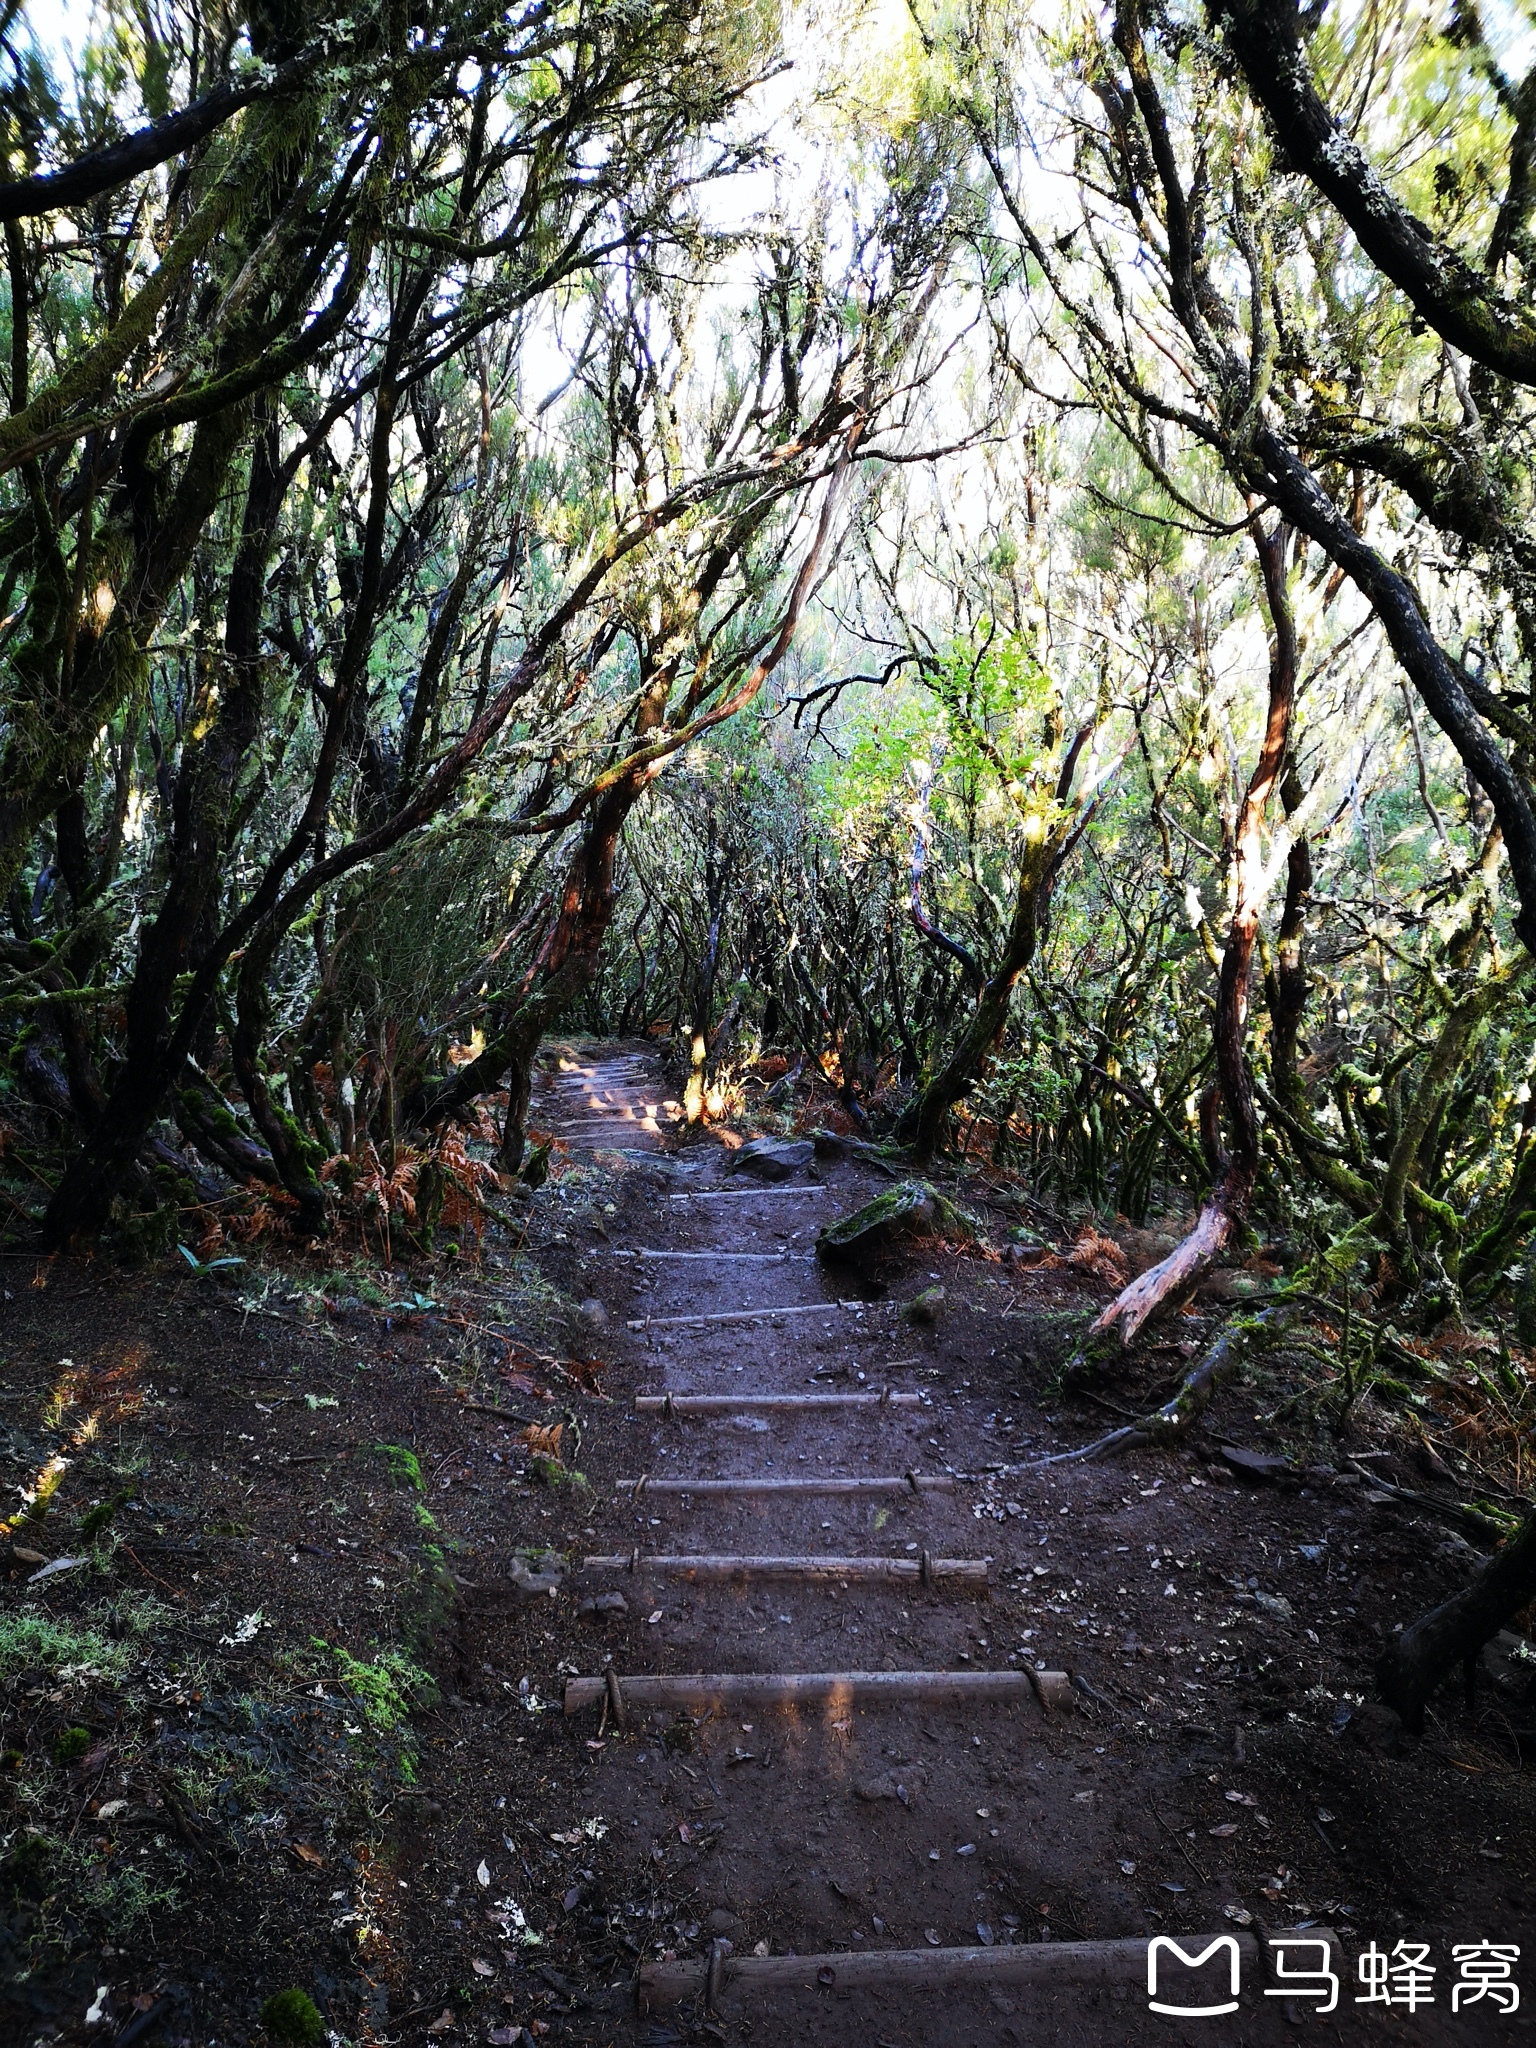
{"x": 988, "y": 548}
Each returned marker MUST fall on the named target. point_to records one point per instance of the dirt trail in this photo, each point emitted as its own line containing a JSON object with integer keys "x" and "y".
{"x": 614, "y": 1099}
{"x": 325, "y": 1472}
{"x": 815, "y": 1830}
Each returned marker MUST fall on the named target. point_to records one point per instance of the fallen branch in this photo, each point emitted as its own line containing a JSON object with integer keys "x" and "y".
{"x": 1188, "y": 1262}
{"x": 1481, "y": 1526}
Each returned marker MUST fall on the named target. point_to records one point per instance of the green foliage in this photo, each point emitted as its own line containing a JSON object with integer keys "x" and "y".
{"x": 551, "y": 1472}
{"x": 70, "y": 1744}
{"x": 387, "y": 1690}
{"x": 292, "y": 2018}
{"x": 404, "y": 1465}
{"x": 36, "y": 1641}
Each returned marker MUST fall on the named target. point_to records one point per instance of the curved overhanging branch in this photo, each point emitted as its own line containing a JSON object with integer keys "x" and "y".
{"x": 1458, "y": 301}
{"x": 104, "y": 169}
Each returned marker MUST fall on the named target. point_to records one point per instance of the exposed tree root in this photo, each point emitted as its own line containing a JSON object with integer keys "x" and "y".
{"x": 1165, "y": 1425}
{"x": 1450, "y": 1635}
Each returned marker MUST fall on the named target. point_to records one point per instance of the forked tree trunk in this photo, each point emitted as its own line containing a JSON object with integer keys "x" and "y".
{"x": 1236, "y": 1170}
{"x": 922, "y": 1123}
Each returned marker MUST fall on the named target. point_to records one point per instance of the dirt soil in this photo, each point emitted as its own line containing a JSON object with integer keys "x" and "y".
{"x": 319, "y": 1672}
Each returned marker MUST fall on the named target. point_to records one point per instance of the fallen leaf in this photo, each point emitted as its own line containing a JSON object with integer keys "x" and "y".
{"x": 483, "y": 1875}
{"x": 1228, "y": 1827}
{"x": 1241, "y": 1799}
{"x": 656, "y": 1616}
{"x": 308, "y": 1855}
{"x": 481, "y": 1967}
{"x": 1239, "y": 1914}
{"x": 543, "y": 1438}
{"x": 442, "y": 2023}
{"x": 52, "y": 1571}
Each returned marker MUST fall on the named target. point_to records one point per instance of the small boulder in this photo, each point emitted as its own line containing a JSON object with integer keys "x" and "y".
{"x": 1228, "y": 1284}
{"x": 1275, "y": 1605}
{"x": 1255, "y": 1466}
{"x": 542, "y": 1577}
{"x": 884, "y": 1785}
{"x": 924, "y": 1308}
{"x": 772, "y": 1159}
{"x": 599, "y": 1605}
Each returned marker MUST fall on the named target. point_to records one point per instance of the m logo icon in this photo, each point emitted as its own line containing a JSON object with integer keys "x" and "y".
{"x": 1192, "y": 2012}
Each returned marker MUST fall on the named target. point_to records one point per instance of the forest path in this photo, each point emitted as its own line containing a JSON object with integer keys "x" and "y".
{"x": 603, "y": 1095}
{"x": 832, "y": 1828}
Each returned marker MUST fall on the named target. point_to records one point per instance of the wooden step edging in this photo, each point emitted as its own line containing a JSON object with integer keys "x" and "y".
{"x": 837, "y": 1690}
{"x": 732, "y": 1258}
{"x": 895, "y": 1482}
{"x": 750, "y": 1315}
{"x": 752, "y": 1194}
{"x": 1038, "y": 1965}
{"x": 925, "y": 1568}
{"x": 740, "y": 1404}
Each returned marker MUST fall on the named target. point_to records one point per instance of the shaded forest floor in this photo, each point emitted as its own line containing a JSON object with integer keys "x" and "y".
{"x": 291, "y": 1717}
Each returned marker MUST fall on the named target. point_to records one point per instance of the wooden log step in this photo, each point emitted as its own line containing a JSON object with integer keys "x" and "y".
{"x": 737, "y": 1258}
{"x": 739, "y": 1404}
{"x": 745, "y": 1315}
{"x": 753, "y": 1194}
{"x": 895, "y": 1482}
{"x": 836, "y": 1690}
{"x": 1038, "y": 1965}
{"x": 924, "y": 1568}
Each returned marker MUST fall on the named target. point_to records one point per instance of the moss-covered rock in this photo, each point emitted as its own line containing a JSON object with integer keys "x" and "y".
{"x": 911, "y": 1205}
